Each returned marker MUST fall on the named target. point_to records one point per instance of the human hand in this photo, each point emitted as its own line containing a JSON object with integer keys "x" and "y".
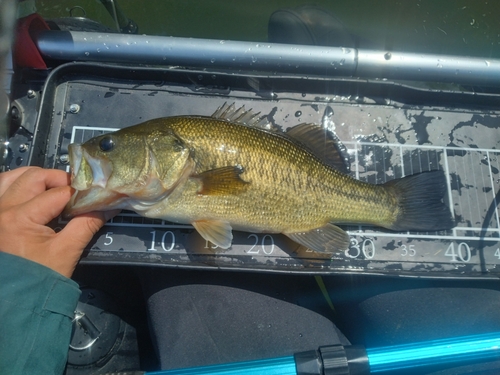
{"x": 30, "y": 197}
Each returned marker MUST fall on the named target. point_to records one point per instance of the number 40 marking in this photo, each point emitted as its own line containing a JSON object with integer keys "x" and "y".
{"x": 462, "y": 252}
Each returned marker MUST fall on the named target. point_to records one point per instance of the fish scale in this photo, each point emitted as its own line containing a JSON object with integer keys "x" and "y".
{"x": 290, "y": 189}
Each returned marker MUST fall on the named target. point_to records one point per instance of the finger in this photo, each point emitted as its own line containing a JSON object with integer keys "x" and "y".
{"x": 82, "y": 228}
{"x": 47, "y": 205}
{"x": 7, "y": 178}
{"x": 31, "y": 183}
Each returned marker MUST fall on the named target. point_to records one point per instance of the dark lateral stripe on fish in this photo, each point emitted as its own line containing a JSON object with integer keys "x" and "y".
{"x": 420, "y": 198}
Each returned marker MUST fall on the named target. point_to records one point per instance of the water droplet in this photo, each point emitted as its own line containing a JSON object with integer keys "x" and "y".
{"x": 439, "y": 65}
{"x": 212, "y": 60}
{"x": 254, "y": 59}
{"x": 487, "y": 62}
{"x": 87, "y": 53}
{"x": 298, "y": 113}
{"x": 98, "y": 50}
{"x": 222, "y": 42}
{"x": 147, "y": 41}
{"x": 388, "y": 56}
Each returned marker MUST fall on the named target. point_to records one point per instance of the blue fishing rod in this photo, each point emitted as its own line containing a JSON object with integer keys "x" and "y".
{"x": 357, "y": 360}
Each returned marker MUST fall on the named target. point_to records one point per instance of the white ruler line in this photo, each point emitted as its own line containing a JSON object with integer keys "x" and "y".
{"x": 93, "y": 128}
{"x": 355, "y": 147}
{"x": 135, "y": 225}
{"x": 478, "y": 229}
{"x": 493, "y": 191}
{"x": 448, "y": 186}
{"x": 402, "y": 163}
{"x": 469, "y": 149}
{"x": 423, "y": 236}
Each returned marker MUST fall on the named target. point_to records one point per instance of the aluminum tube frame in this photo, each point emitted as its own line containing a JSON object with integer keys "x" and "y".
{"x": 268, "y": 58}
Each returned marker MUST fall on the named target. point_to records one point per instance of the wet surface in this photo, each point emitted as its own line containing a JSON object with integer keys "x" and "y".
{"x": 381, "y": 141}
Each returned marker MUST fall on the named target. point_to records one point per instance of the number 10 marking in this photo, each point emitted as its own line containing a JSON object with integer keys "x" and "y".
{"x": 153, "y": 241}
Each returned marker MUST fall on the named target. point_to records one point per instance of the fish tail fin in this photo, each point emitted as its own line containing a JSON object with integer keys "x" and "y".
{"x": 420, "y": 201}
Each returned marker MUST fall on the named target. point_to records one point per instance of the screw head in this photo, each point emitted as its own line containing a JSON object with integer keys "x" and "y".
{"x": 74, "y": 108}
{"x": 64, "y": 158}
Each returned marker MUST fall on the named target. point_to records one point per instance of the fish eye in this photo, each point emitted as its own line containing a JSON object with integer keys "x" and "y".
{"x": 106, "y": 144}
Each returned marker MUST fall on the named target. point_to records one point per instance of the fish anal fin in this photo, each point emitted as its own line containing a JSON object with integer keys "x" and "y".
{"x": 222, "y": 181}
{"x": 326, "y": 239}
{"x": 323, "y": 143}
{"x": 218, "y": 232}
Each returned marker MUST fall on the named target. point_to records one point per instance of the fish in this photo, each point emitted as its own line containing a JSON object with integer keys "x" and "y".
{"x": 235, "y": 171}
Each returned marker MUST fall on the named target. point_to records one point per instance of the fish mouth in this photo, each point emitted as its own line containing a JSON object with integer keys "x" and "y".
{"x": 86, "y": 170}
{"x": 75, "y": 162}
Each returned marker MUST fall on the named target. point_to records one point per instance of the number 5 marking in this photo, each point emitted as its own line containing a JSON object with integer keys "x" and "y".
{"x": 108, "y": 237}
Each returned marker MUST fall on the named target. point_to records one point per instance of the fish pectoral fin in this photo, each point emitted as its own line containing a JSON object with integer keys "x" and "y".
{"x": 222, "y": 181}
{"x": 326, "y": 239}
{"x": 218, "y": 232}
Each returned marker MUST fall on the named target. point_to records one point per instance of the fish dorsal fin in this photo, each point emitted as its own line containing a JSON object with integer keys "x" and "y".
{"x": 323, "y": 143}
{"x": 222, "y": 181}
{"x": 218, "y": 232}
{"x": 242, "y": 116}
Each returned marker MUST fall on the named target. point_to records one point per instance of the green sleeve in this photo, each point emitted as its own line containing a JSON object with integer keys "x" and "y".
{"x": 36, "y": 309}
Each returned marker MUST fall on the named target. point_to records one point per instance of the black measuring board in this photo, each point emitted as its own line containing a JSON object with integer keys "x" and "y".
{"x": 384, "y": 138}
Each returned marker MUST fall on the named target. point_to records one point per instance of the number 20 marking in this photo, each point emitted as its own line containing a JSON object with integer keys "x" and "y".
{"x": 268, "y": 250}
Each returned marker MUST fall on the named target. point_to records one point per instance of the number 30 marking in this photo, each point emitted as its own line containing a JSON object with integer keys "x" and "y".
{"x": 367, "y": 247}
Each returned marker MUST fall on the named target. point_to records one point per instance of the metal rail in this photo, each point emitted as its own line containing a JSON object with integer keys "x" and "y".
{"x": 271, "y": 58}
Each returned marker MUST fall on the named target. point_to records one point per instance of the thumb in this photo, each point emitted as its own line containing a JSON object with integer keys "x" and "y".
{"x": 80, "y": 230}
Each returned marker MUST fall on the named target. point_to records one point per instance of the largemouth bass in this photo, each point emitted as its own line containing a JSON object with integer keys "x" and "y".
{"x": 229, "y": 172}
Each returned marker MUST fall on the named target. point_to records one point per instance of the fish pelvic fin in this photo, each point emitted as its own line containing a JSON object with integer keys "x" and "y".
{"x": 222, "y": 181}
{"x": 420, "y": 202}
{"x": 218, "y": 232}
{"x": 326, "y": 239}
